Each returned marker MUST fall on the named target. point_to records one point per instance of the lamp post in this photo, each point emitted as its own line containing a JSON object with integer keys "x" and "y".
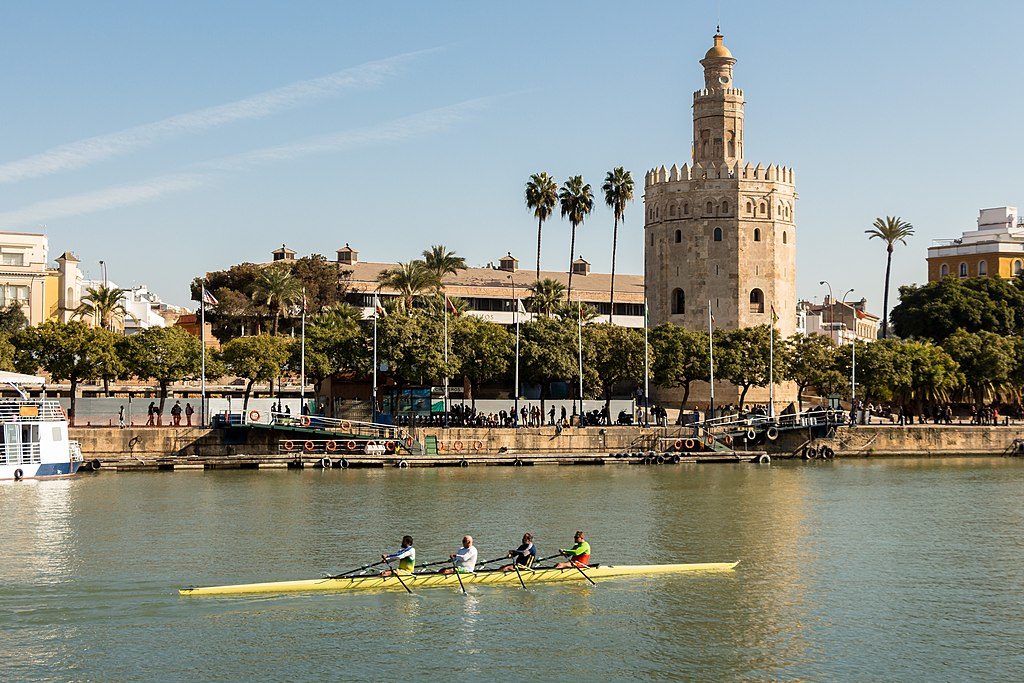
{"x": 853, "y": 354}
{"x": 515, "y": 315}
{"x": 831, "y": 303}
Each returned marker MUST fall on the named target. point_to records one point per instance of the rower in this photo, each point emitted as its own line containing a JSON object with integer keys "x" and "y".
{"x": 464, "y": 560}
{"x": 406, "y": 557}
{"x": 524, "y": 555}
{"x": 578, "y": 555}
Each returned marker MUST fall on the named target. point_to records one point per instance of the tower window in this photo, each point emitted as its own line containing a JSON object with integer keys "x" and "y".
{"x": 672, "y": 210}
{"x": 757, "y": 234}
{"x": 963, "y": 270}
{"x": 784, "y": 237}
{"x": 763, "y": 209}
{"x": 718, "y": 234}
{"x": 982, "y": 268}
{"x": 710, "y": 208}
{"x": 679, "y": 236}
{"x": 944, "y": 270}
{"x": 725, "y": 208}
{"x": 756, "y": 301}
{"x": 686, "y": 209}
{"x": 750, "y": 207}
{"x": 678, "y": 302}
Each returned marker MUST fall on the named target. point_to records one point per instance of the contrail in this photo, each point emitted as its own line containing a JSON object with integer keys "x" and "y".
{"x": 398, "y": 130}
{"x": 82, "y": 153}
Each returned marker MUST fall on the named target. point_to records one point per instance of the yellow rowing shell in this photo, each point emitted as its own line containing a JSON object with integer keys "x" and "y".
{"x": 414, "y": 581}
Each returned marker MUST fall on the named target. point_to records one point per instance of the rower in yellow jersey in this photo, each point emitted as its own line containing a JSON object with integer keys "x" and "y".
{"x": 578, "y": 555}
{"x": 406, "y": 557}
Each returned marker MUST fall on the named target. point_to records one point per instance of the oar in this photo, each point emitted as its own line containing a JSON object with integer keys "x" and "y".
{"x": 397, "y": 576}
{"x": 515, "y": 564}
{"x": 458, "y": 576}
{"x": 353, "y": 571}
{"x": 536, "y": 563}
{"x": 496, "y": 559}
{"x": 573, "y": 563}
{"x": 433, "y": 564}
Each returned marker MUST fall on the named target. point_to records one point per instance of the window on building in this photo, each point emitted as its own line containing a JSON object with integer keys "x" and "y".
{"x": 679, "y": 236}
{"x": 757, "y": 234}
{"x": 943, "y": 270}
{"x": 963, "y": 270}
{"x": 756, "y": 301}
{"x": 718, "y": 234}
{"x": 763, "y": 209}
{"x": 13, "y": 294}
{"x": 686, "y": 209}
{"x": 750, "y": 207}
{"x": 1018, "y": 267}
{"x": 709, "y": 208}
{"x": 12, "y": 258}
{"x": 725, "y": 208}
{"x": 784, "y": 237}
{"x": 678, "y": 302}
{"x": 672, "y": 210}
{"x": 982, "y": 268}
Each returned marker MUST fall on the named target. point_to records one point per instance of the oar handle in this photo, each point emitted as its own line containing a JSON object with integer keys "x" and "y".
{"x": 496, "y": 559}
{"x": 357, "y": 569}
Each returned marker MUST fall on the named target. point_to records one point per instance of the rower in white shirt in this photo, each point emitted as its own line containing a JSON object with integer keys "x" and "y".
{"x": 464, "y": 560}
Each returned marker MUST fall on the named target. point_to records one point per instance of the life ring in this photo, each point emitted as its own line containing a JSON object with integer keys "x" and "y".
{"x": 678, "y": 445}
{"x": 764, "y": 459}
{"x": 688, "y": 443}
{"x": 343, "y": 464}
{"x": 727, "y": 440}
{"x": 408, "y": 442}
{"x": 772, "y": 433}
{"x": 18, "y": 474}
{"x": 345, "y": 425}
{"x": 402, "y": 464}
{"x": 478, "y": 445}
{"x": 441, "y": 447}
{"x": 458, "y": 445}
{"x": 463, "y": 463}
{"x": 389, "y": 446}
{"x": 331, "y": 446}
{"x": 254, "y": 415}
{"x": 289, "y": 445}
{"x": 709, "y": 441}
{"x": 326, "y": 463}
{"x": 751, "y": 434}
{"x": 351, "y": 445}
{"x": 309, "y": 445}
{"x": 304, "y": 420}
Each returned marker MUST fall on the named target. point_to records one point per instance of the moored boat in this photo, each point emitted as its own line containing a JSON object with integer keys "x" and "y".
{"x": 432, "y": 580}
{"x": 34, "y": 441}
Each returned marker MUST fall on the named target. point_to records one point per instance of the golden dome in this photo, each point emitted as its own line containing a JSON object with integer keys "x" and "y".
{"x": 718, "y": 49}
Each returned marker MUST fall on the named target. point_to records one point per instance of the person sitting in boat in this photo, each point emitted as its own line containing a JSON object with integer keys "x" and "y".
{"x": 406, "y": 557}
{"x": 578, "y": 555}
{"x": 524, "y": 555}
{"x": 464, "y": 560}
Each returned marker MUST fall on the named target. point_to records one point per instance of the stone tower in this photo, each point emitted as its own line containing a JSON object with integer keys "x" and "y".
{"x": 722, "y": 230}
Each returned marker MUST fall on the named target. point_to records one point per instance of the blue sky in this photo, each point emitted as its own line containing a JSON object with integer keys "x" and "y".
{"x": 171, "y": 139}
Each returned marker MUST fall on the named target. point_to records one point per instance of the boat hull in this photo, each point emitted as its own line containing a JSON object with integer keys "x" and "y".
{"x": 416, "y": 581}
{"x": 36, "y": 470}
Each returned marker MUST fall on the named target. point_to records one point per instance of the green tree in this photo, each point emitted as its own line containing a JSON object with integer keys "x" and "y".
{"x": 938, "y": 309}
{"x": 441, "y": 262}
{"x": 986, "y": 361}
{"x": 278, "y": 290}
{"x": 811, "y": 362}
{"x": 326, "y": 282}
{"x": 547, "y": 353}
{"x": 335, "y": 343}
{"x": 485, "y": 350}
{"x": 890, "y": 230}
{"x": 236, "y": 308}
{"x": 681, "y": 357}
{"x": 618, "y": 191}
{"x": 259, "y": 358}
{"x": 541, "y": 198}
{"x": 6, "y": 353}
{"x": 12, "y": 319}
{"x": 70, "y": 351}
{"x": 410, "y": 280}
{"x": 742, "y": 355}
{"x": 413, "y": 348}
{"x": 104, "y": 304}
{"x": 577, "y": 202}
{"x": 545, "y": 297}
{"x": 615, "y": 354}
{"x": 163, "y": 354}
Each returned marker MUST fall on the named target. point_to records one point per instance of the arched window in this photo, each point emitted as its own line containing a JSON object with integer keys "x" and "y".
{"x": 757, "y": 234}
{"x": 657, "y": 212}
{"x": 672, "y": 210}
{"x": 678, "y": 302}
{"x": 963, "y": 270}
{"x": 725, "y": 208}
{"x": 756, "y": 301}
{"x": 750, "y": 207}
{"x": 679, "y": 236}
{"x": 943, "y": 270}
{"x": 784, "y": 239}
{"x": 763, "y": 209}
{"x": 718, "y": 234}
{"x": 686, "y": 209}
{"x": 1018, "y": 267}
{"x": 710, "y": 208}
{"x": 982, "y": 268}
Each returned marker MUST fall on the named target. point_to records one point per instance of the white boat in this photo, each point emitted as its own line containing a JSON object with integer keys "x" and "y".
{"x": 34, "y": 441}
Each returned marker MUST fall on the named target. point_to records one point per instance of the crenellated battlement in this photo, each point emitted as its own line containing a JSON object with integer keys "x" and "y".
{"x": 771, "y": 173}
{"x": 704, "y": 92}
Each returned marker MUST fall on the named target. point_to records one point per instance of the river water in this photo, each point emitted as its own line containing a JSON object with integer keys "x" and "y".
{"x": 851, "y": 570}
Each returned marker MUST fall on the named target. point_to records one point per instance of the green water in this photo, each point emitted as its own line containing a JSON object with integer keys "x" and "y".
{"x": 881, "y": 570}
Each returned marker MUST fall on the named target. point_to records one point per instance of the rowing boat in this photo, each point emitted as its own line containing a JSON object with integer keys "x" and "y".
{"x": 439, "y": 580}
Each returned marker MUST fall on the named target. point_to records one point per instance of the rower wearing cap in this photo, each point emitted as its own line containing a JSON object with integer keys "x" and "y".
{"x": 406, "y": 557}
{"x": 464, "y": 560}
{"x": 524, "y": 555}
{"x": 578, "y": 555}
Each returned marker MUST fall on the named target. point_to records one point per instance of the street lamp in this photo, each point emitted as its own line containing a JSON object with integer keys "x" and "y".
{"x": 515, "y": 316}
{"x": 831, "y": 303}
{"x": 853, "y": 354}
{"x": 103, "y": 267}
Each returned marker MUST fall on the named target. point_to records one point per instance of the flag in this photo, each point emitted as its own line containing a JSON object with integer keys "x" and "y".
{"x": 520, "y": 307}
{"x": 208, "y": 298}
{"x": 450, "y": 306}
{"x": 378, "y": 308}
{"x": 775, "y": 318}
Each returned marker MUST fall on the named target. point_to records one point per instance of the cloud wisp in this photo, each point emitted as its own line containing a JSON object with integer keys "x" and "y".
{"x": 83, "y": 153}
{"x": 398, "y": 130}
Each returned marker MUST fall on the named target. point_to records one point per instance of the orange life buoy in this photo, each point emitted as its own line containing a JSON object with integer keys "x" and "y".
{"x": 458, "y": 445}
{"x": 331, "y": 446}
{"x": 727, "y": 440}
{"x": 478, "y": 444}
{"x": 408, "y": 442}
{"x": 351, "y": 445}
{"x": 310, "y": 445}
{"x": 345, "y": 425}
{"x": 688, "y": 444}
{"x": 289, "y": 445}
{"x": 441, "y": 447}
{"x": 678, "y": 444}
{"x": 708, "y": 441}
{"x": 304, "y": 420}
{"x": 254, "y": 415}
{"x": 389, "y": 446}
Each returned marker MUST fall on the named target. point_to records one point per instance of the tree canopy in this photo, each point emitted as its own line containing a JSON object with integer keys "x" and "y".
{"x": 163, "y": 354}
{"x": 936, "y": 310}
{"x": 258, "y": 358}
{"x": 681, "y": 357}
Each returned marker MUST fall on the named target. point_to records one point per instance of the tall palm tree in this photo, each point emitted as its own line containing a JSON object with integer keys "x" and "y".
{"x": 541, "y": 198}
{"x": 891, "y": 230}
{"x": 577, "y": 202}
{"x": 105, "y": 304}
{"x": 277, "y": 289}
{"x": 442, "y": 262}
{"x": 547, "y": 295}
{"x": 618, "y": 191}
{"x": 410, "y": 280}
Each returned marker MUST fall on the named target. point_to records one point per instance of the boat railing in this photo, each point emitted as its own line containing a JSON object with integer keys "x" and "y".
{"x": 327, "y": 424}
{"x": 31, "y": 410}
{"x": 20, "y": 454}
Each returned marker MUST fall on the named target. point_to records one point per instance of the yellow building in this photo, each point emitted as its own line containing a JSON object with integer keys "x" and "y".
{"x": 42, "y": 292}
{"x": 995, "y": 249}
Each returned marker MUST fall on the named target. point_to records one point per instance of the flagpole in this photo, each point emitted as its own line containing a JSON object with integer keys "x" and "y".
{"x": 711, "y": 361}
{"x": 302, "y": 355}
{"x": 517, "y": 357}
{"x": 579, "y": 336}
{"x": 373, "y": 399}
{"x": 647, "y": 367}
{"x": 202, "y": 353}
{"x": 446, "y": 360}
{"x": 771, "y": 365}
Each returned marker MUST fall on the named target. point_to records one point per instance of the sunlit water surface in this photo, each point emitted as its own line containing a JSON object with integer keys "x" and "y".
{"x": 858, "y": 570}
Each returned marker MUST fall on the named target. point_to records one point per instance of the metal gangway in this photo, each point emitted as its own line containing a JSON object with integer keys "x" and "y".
{"x": 328, "y": 425}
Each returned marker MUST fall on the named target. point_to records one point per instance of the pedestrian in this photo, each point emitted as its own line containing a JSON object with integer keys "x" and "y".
{"x": 120, "y": 418}
{"x": 551, "y": 415}
{"x": 189, "y": 412}
{"x": 176, "y": 413}
{"x": 564, "y": 415}
{"x": 151, "y": 412}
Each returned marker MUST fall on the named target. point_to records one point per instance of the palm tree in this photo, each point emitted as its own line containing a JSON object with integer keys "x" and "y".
{"x": 277, "y": 289}
{"x": 442, "y": 262}
{"x": 577, "y": 203}
{"x": 891, "y": 230}
{"x": 546, "y": 296}
{"x": 104, "y": 303}
{"x": 410, "y": 280}
{"x": 541, "y": 198}
{"x": 618, "y": 191}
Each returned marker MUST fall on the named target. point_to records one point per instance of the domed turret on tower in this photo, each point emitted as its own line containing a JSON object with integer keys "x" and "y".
{"x": 718, "y": 49}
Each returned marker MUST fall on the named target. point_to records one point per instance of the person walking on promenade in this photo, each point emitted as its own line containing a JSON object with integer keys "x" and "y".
{"x": 120, "y": 418}
{"x": 563, "y": 416}
{"x": 551, "y": 416}
{"x": 151, "y": 411}
{"x": 176, "y": 413}
{"x": 189, "y": 412}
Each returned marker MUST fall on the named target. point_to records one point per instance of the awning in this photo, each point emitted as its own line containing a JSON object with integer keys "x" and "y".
{"x": 18, "y": 378}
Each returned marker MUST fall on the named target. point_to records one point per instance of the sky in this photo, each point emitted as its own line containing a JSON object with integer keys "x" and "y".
{"x": 170, "y": 139}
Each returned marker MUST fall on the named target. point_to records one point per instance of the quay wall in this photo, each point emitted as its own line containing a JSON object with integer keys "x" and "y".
{"x": 914, "y": 440}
